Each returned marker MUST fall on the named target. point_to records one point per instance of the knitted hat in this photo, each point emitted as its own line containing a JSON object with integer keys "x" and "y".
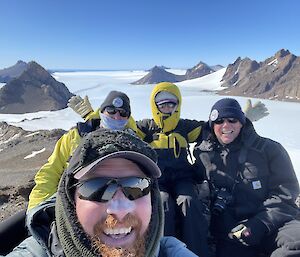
{"x": 227, "y": 108}
{"x": 116, "y": 99}
{"x": 104, "y": 144}
{"x": 165, "y": 97}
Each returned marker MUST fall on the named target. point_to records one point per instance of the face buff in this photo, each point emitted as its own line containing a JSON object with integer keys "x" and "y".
{"x": 110, "y": 123}
{"x": 137, "y": 249}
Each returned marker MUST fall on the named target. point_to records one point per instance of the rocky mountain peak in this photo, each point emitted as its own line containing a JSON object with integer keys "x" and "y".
{"x": 7, "y": 74}
{"x": 277, "y": 77}
{"x": 158, "y": 74}
{"x": 34, "y": 90}
{"x": 199, "y": 70}
{"x": 282, "y": 53}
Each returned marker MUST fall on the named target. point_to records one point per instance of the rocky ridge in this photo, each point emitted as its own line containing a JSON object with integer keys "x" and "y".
{"x": 34, "y": 90}
{"x": 276, "y": 78}
{"x": 12, "y": 72}
{"x": 22, "y": 154}
{"x": 159, "y": 74}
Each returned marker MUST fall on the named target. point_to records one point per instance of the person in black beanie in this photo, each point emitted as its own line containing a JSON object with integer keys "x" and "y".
{"x": 253, "y": 187}
{"x": 108, "y": 204}
{"x": 115, "y": 114}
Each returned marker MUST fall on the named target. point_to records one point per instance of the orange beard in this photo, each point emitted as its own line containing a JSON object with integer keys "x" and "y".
{"x": 135, "y": 250}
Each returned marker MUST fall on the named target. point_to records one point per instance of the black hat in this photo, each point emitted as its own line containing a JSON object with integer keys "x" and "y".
{"x": 227, "y": 108}
{"x": 116, "y": 99}
{"x": 104, "y": 144}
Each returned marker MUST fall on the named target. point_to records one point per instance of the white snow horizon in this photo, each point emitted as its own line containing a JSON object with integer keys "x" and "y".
{"x": 198, "y": 95}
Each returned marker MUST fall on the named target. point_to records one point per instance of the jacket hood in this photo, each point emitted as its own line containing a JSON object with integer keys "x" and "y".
{"x": 167, "y": 122}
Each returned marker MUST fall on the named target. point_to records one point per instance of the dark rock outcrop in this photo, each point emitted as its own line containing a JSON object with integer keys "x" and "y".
{"x": 34, "y": 90}
{"x": 12, "y": 72}
{"x": 275, "y": 78}
{"x": 157, "y": 75}
{"x": 19, "y": 164}
{"x": 200, "y": 70}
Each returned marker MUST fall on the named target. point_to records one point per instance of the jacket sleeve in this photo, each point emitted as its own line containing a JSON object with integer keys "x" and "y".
{"x": 279, "y": 207}
{"x": 92, "y": 115}
{"x": 172, "y": 247}
{"x": 47, "y": 178}
{"x": 194, "y": 129}
{"x": 28, "y": 248}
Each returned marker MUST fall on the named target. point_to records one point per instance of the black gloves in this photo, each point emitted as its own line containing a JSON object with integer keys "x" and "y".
{"x": 249, "y": 233}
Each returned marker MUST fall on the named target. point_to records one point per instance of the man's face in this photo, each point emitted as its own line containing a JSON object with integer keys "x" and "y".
{"x": 227, "y": 129}
{"x": 119, "y": 222}
{"x": 116, "y": 113}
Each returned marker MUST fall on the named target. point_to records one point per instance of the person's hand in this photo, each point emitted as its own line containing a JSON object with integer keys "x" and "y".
{"x": 81, "y": 106}
{"x": 256, "y": 111}
{"x": 249, "y": 233}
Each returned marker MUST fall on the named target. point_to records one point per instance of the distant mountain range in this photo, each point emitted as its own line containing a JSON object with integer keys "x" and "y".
{"x": 276, "y": 78}
{"x": 159, "y": 74}
{"x": 30, "y": 88}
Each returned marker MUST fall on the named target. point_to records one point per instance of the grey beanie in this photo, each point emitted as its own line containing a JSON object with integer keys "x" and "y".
{"x": 227, "y": 108}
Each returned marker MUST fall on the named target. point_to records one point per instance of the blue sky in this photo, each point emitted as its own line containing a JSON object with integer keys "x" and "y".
{"x": 138, "y": 34}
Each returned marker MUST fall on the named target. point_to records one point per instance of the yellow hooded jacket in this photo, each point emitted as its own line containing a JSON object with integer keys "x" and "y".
{"x": 167, "y": 133}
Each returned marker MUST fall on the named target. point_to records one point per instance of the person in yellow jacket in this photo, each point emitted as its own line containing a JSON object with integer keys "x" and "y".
{"x": 115, "y": 114}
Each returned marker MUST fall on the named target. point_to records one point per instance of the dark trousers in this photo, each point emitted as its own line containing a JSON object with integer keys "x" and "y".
{"x": 185, "y": 215}
{"x": 285, "y": 242}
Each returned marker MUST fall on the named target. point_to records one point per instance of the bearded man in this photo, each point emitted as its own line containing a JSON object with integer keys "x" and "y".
{"x": 108, "y": 204}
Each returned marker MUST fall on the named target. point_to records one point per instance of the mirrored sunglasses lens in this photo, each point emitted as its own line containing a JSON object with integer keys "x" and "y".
{"x": 123, "y": 113}
{"x": 93, "y": 189}
{"x": 222, "y": 120}
{"x": 219, "y": 121}
{"x": 110, "y": 110}
{"x": 169, "y": 105}
{"x": 135, "y": 188}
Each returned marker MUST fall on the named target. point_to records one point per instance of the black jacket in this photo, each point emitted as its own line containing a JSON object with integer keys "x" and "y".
{"x": 257, "y": 172}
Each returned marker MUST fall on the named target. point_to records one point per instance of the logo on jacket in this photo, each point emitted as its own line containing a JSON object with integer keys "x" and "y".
{"x": 256, "y": 184}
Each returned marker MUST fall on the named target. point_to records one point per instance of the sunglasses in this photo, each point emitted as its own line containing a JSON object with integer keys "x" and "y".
{"x": 168, "y": 104}
{"x": 113, "y": 110}
{"x": 222, "y": 120}
{"x": 103, "y": 189}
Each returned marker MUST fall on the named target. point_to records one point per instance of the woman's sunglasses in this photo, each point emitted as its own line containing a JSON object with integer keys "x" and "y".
{"x": 168, "y": 104}
{"x": 113, "y": 110}
{"x": 222, "y": 120}
{"x": 103, "y": 189}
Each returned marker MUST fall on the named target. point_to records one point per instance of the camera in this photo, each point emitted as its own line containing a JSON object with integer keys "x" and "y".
{"x": 222, "y": 199}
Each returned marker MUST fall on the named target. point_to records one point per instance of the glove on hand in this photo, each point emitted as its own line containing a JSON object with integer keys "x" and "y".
{"x": 255, "y": 112}
{"x": 250, "y": 233}
{"x": 81, "y": 106}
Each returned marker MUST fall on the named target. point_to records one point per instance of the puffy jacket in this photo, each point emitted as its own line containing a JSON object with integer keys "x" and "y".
{"x": 167, "y": 133}
{"x": 47, "y": 178}
{"x": 257, "y": 172}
